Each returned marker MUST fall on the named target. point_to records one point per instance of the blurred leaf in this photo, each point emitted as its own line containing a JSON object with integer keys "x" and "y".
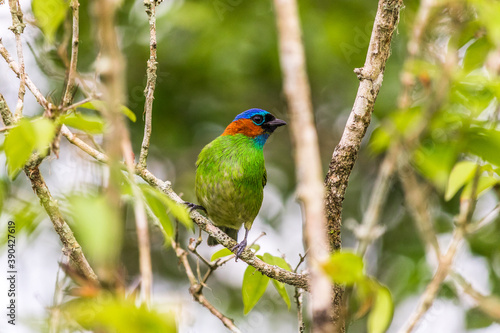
{"x": 255, "y": 247}
{"x": 476, "y": 319}
{"x": 158, "y": 209}
{"x": 220, "y": 254}
{"x": 344, "y": 268}
{"x": 97, "y": 227}
{"x": 461, "y": 174}
{"x": 488, "y": 15}
{"x": 280, "y": 287}
{"x": 101, "y": 106}
{"x": 108, "y": 314}
{"x": 382, "y": 311}
{"x": 380, "y": 140}
{"x": 485, "y": 143}
{"x": 476, "y": 54}
{"x": 49, "y": 15}
{"x": 91, "y": 124}
{"x": 23, "y": 139}
{"x": 169, "y": 206}
{"x": 253, "y": 287}
{"x": 435, "y": 161}
{"x": 484, "y": 184}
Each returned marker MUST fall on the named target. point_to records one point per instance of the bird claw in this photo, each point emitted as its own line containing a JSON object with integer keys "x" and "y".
{"x": 239, "y": 248}
{"x": 191, "y": 206}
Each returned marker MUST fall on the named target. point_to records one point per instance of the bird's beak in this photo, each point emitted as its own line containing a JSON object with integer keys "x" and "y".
{"x": 270, "y": 126}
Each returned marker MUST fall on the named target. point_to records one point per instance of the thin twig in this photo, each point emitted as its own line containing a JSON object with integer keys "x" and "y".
{"x": 5, "y": 112}
{"x": 72, "y": 71}
{"x": 31, "y": 86}
{"x": 151, "y": 81}
{"x": 196, "y": 288}
{"x": 467, "y": 207}
{"x": 18, "y": 28}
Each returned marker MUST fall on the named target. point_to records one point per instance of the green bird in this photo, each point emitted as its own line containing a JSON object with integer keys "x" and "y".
{"x": 231, "y": 175}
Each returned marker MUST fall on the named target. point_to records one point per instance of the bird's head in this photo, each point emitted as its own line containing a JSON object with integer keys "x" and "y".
{"x": 255, "y": 123}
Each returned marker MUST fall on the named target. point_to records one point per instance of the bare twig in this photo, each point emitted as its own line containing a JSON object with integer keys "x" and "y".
{"x": 196, "y": 289}
{"x": 5, "y": 112}
{"x": 368, "y": 230}
{"x": 490, "y": 305}
{"x": 310, "y": 190}
{"x": 467, "y": 207}
{"x": 18, "y": 28}
{"x": 31, "y": 86}
{"x": 72, "y": 72}
{"x": 151, "y": 81}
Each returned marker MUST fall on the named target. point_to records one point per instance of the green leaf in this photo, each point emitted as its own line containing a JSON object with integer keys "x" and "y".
{"x": 49, "y": 15}
{"x": 460, "y": 175}
{"x": 276, "y": 261}
{"x": 280, "y": 287}
{"x": 220, "y": 254}
{"x": 254, "y": 286}
{"x": 158, "y": 208}
{"x": 380, "y": 316}
{"x": 476, "y": 319}
{"x": 344, "y": 268}
{"x": 178, "y": 211}
{"x": 97, "y": 228}
{"x": 91, "y": 124}
{"x": 485, "y": 144}
{"x": 476, "y": 54}
{"x": 101, "y": 106}
{"x": 19, "y": 145}
{"x": 23, "y": 139}
{"x": 484, "y": 184}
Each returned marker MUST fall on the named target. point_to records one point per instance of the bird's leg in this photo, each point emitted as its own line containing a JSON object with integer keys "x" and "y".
{"x": 193, "y": 206}
{"x": 240, "y": 247}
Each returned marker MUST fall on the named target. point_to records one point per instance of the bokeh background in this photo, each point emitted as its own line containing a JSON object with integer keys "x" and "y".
{"x": 216, "y": 59}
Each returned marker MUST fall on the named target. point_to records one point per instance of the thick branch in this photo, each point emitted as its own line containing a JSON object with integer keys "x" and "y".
{"x": 310, "y": 189}
{"x": 371, "y": 76}
{"x": 71, "y": 246}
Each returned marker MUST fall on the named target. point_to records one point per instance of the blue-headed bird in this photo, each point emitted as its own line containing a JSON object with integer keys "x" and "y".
{"x": 231, "y": 175}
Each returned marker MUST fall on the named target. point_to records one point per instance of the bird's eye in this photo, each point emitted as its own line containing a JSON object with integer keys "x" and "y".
{"x": 258, "y": 119}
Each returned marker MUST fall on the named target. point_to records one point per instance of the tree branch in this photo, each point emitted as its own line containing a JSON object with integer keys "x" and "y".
{"x": 151, "y": 81}
{"x": 310, "y": 189}
{"x": 31, "y": 86}
{"x": 71, "y": 246}
{"x": 72, "y": 71}
{"x": 18, "y": 28}
{"x": 371, "y": 76}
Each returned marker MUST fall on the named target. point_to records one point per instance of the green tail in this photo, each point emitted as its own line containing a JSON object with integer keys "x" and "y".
{"x": 233, "y": 233}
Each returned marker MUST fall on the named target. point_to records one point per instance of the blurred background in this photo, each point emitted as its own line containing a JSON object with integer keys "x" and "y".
{"x": 216, "y": 59}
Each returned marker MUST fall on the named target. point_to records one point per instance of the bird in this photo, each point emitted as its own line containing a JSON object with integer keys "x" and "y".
{"x": 231, "y": 174}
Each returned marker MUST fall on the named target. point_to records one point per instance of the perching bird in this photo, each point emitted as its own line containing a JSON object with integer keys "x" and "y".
{"x": 230, "y": 174}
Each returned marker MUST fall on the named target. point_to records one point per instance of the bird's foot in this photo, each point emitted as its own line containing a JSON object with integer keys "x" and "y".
{"x": 239, "y": 248}
{"x": 191, "y": 206}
